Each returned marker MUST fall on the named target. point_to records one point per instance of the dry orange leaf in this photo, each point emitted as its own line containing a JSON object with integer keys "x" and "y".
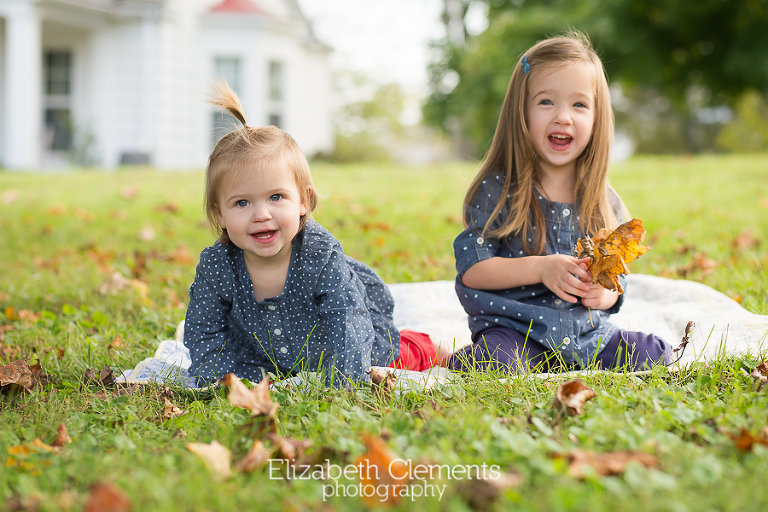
{"x": 482, "y": 493}
{"x": 106, "y": 497}
{"x": 612, "y": 251}
{"x": 255, "y": 399}
{"x": 605, "y": 464}
{"x": 573, "y": 395}
{"x": 171, "y": 411}
{"x": 20, "y": 376}
{"x": 745, "y": 441}
{"x": 383, "y": 383}
{"x": 62, "y": 437}
{"x": 216, "y": 457}
{"x": 381, "y": 468}
{"x": 256, "y": 457}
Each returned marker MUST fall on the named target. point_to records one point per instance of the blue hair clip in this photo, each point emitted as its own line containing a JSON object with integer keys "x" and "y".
{"x": 526, "y": 65}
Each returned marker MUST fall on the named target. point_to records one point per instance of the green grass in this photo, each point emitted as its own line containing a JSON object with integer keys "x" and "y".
{"x": 63, "y": 235}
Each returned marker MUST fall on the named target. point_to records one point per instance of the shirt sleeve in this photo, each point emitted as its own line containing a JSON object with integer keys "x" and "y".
{"x": 470, "y": 247}
{"x": 341, "y": 306}
{"x": 207, "y": 332}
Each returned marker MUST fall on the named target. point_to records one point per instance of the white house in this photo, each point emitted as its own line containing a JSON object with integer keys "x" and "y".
{"x": 125, "y": 81}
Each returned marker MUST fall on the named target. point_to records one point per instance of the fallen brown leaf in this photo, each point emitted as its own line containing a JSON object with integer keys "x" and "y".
{"x": 106, "y": 497}
{"x": 169, "y": 207}
{"x": 390, "y": 472}
{"x": 255, "y": 399}
{"x": 62, "y": 437}
{"x": 482, "y": 493}
{"x": 19, "y": 376}
{"x": 129, "y": 192}
{"x": 114, "y": 284}
{"x": 605, "y": 464}
{"x": 383, "y": 382}
{"x": 745, "y": 441}
{"x": 745, "y": 240}
{"x": 171, "y": 411}
{"x": 116, "y": 343}
{"x": 216, "y": 457}
{"x": 572, "y": 396}
{"x": 290, "y": 449}
{"x": 699, "y": 263}
{"x": 256, "y": 457}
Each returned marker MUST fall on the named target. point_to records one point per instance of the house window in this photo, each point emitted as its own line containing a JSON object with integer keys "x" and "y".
{"x": 227, "y": 68}
{"x": 275, "y": 81}
{"x": 57, "y": 76}
{"x": 275, "y": 92}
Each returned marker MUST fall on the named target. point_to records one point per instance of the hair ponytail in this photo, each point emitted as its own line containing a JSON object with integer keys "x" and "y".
{"x": 225, "y": 98}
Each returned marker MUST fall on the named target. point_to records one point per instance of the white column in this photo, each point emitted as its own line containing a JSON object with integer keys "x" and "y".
{"x": 23, "y": 86}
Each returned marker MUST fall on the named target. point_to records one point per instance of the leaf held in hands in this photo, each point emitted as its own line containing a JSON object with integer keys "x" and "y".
{"x": 612, "y": 251}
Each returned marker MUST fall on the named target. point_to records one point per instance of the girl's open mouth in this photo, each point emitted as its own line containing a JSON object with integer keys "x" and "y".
{"x": 560, "y": 140}
{"x": 264, "y": 236}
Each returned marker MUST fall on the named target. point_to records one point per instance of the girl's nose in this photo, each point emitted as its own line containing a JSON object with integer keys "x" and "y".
{"x": 260, "y": 213}
{"x": 563, "y": 116}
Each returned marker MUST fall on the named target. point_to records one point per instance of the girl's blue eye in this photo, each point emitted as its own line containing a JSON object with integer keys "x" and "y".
{"x": 275, "y": 197}
{"x": 580, "y": 105}
{"x": 545, "y": 102}
{"x": 242, "y": 203}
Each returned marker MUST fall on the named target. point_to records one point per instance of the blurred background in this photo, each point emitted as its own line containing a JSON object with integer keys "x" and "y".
{"x": 124, "y": 82}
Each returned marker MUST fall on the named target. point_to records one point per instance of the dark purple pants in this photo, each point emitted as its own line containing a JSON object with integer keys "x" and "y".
{"x": 499, "y": 348}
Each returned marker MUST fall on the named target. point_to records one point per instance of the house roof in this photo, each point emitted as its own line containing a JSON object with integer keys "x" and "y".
{"x": 243, "y": 6}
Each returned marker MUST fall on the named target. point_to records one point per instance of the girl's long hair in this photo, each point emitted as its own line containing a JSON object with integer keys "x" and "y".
{"x": 247, "y": 150}
{"x": 518, "y": 211}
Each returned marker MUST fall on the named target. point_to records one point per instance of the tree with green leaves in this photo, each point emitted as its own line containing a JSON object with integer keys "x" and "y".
{"x": 693, "y": 53}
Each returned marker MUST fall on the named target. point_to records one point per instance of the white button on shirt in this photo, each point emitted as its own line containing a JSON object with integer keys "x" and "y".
{"x": 566, "y": 341}
{"x": 271, "y": 307}
{"x": 566, "y": 212}
{"x": 283, "y": 350}
{"x": 278, "y": 332}
{"x": 558, "y": 302}
{"x": 480, "y": 240}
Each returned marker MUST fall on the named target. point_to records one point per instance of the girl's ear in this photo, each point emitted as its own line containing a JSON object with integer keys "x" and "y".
{"x": 306, "y": 199}
{"x": 219, "y": 216}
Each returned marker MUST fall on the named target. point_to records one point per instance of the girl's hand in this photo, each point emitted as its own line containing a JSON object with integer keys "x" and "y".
{"x": 565, "y": 276}
{"x": 599, "y": 298}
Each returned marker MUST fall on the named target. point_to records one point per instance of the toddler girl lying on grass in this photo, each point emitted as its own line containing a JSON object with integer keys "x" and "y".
{"x": 276, "y": 293}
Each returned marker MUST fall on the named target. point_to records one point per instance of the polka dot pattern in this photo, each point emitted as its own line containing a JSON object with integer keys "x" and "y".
{"x": 533, "y": 310}
{"x": 334, "y": 313}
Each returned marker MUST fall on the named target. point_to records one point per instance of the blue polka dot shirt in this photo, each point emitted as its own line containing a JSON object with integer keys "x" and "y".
{"x": 334, "y": 313}
{"x": 533, "y": 310}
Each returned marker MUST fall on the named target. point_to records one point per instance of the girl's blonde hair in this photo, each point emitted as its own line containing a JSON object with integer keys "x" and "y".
{"x": 248, "y": 150}
{"x": 512, "y": 151}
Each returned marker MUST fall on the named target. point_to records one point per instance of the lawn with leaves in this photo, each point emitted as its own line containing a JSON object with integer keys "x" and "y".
{"x": 94, "y": 271}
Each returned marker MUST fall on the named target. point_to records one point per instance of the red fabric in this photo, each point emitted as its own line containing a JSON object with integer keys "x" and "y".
{"x": 417, "y": 352}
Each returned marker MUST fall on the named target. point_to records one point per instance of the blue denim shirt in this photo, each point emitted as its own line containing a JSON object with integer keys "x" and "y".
{"x": 533, "y": 309}
{"x": 332, "y": 309}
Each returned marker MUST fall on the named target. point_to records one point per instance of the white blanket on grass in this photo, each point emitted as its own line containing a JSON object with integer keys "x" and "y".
{"x": 652, "y": 304}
